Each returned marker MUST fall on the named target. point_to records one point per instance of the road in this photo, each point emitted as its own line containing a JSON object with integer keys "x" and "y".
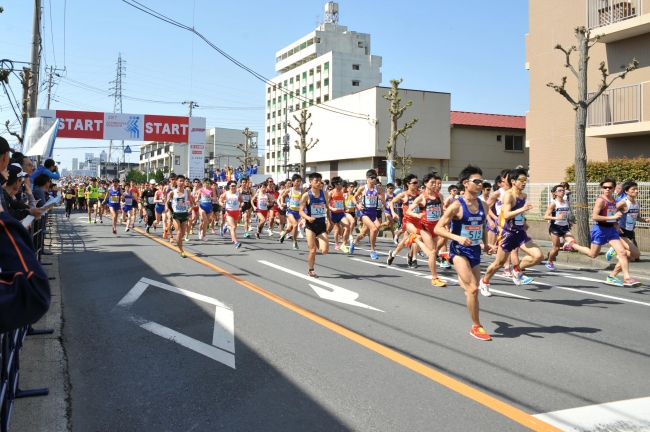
{"x": 243, "y": 340}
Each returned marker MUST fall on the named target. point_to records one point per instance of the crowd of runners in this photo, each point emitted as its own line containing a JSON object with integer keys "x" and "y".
{"x": 476, "y": 216}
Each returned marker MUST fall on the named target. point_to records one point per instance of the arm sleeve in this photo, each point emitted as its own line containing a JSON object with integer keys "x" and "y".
{"x": 52, "y": 175}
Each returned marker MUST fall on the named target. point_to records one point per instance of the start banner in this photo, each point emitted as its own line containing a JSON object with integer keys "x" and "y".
{"x": 128, "y": 127}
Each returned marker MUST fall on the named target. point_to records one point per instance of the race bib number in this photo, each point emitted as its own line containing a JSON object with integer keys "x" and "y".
{"x": 433, "y": 213}
{"x": 372, "y": 201}
{"x": 497, "y": 207}
{"x": 318, "y": 210}
{"x": 611, "y": 211}
{"x": 68, "y": 196}
{"x": 294, "y": 203}
{"x": 416, "y": 210}
{"x": 519, "y": 219}
{"x": 338, "y": 205}
{"x": 206, "y": 198}
{"x": 115, "y": 199}
{"x": 181, "y": 205}
{"x": 472, "y": 232}
{"x": 563, "y": 216}
{"x": 232, "y": 202}
{"x": 246, "y": 198}
{"x": 630, "y": 221}
{"x": 150, "y": 200}
{"x": 128, "y": 201}
{"x": 262, "y": 203}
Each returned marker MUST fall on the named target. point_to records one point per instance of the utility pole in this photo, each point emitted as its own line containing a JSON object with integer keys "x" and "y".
{"x": 192, "y": 104}
{"x": 35, "y": 59}
{"x": 246, "y": 147}
{"x": 51, "y": 72}
{"x": 285, "y": 141}
{"x": 117, "y": 103}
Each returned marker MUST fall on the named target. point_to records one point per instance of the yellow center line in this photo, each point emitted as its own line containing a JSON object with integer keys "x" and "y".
{"x": 494, "y": 404}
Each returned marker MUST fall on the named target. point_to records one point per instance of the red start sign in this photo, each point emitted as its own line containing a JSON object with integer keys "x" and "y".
{"x": 80, "y": 124}
{"x": 166, "y": 128}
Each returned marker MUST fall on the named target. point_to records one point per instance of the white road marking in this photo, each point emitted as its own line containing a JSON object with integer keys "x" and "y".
{"x": 629, "y": 415}
{"x": 223, "y": 336}
{"x": 337, "y": 294}
{"x": 591, "y": 293}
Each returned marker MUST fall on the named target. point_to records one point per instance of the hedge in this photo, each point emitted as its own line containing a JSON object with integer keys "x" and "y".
{"x": 637, "y": 169}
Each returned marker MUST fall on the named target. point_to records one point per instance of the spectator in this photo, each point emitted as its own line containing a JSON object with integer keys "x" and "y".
{"x": 16, "y": 208}
{"x": 49, "y": 167}
{"x": 255, "y": 169}
{"x": 41, "y": 188}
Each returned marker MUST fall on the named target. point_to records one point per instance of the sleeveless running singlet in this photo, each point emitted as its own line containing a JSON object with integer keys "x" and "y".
{"x": 628, "y": 221}
{"x": 609, "y": 210}
{"x": 561, "y": 210}
{"x": 317, "y": 208}
{"x": 517, "y": 223}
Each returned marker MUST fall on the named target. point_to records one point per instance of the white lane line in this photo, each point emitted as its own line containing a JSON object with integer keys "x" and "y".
{"x": 186, "y": 293}
{"x": 628, "y": 415}
{"x": 133, "y": 295}
{"x": 591, "y": 293}
{"x": 428, "y": 276}
{"x": 223, "y": 335}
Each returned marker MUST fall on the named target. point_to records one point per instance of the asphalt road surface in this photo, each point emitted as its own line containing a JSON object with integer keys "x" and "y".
{"x": 243, "y": 340}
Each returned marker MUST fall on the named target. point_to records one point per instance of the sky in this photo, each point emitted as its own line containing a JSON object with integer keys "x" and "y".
{"x": 473, "y": 49}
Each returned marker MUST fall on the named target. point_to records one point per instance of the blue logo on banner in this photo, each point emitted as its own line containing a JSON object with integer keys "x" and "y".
{"x": 132, "y": 127}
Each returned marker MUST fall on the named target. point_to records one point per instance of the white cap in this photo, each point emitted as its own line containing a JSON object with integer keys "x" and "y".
{"x": 152, "y": 181}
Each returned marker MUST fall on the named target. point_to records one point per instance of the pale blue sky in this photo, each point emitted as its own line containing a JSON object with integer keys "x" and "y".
{"x": 472, "y": 49}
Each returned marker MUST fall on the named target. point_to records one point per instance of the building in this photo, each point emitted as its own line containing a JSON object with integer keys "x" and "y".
{"x": 110, "y": 170}
{"x": 75, "y": 163}
{"x": 324, "y": 65}
{"x": 103, "y": 156}
{"x": 618, "y": 122}
{"x": 221, "y": 148}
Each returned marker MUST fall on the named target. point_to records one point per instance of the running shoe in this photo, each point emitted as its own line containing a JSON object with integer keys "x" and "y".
{"x": 344, "y": 248}
{"x": 373, "y": 255}
{"x": 612, "y": 280}
{"x": 421, "y": 254}
{"x": 95, "y": 221}
{"x": 89, "y": 221}
{"x": 187, "y": 238}
{"x": 410, "y": 240}
{"x": 568, "y": 246}
{"x": 237, "y": 245}
{"x": 171, "y": 239}
{"x": 484, "y": 287}
{"x": 312, "y": 274}
{"x": 191, "y": 231}
{"x": 438, "y": 282}
{"x": 101, "y": 221}
{"x": 114, "y": 231}
{"x": 337, "y": 247}
{"x": 257, "y": 235}
{"x": 351, "y": 246}
{"x": 395, "y": 239}
{"x": 140, "y": 220}
{"x": 213, "y": 231}
{"x": 223, "y": 231}
{"x": 611, "y": 253}
{"x": 289, "y": 236}
{"x": 409, "y": 260}
{"x": 164, "y": 234}
{"x": 183, "y": 255}
{"x": 516, "y": 276}
{"x": 282, "y": 238}
{"x": 445, "y": 264}
{"x": 391, "y": 257}
{"x": 550, "y": 265}
{"x": 128, "y": 228}
{"x": 300, "y": 234}
{"x": 444, "y": 255}
{"x": 295, "y": 245}
{"x": 479, "y": 333}
{"x": 147, "y": 230}
{"x": 525, "y": 280}
{"x": 245, "y": 235}
{"x": 414, "y": 263}
{"x": 629, "y": 282}
{"x": 269, "y": 232}
{"x": 507, "y": 273}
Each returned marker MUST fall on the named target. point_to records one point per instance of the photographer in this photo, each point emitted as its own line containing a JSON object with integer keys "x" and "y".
{"x": 15, "y": 179}
{"x": 49, "y": 167}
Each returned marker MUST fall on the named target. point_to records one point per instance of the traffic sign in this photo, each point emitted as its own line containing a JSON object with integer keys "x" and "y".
{"x": 127, "y": 150}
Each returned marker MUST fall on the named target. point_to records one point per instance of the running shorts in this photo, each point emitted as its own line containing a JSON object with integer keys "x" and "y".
{"x": 81, "y": 200}
{"x": 206, "y": 207}
{"x": 429, "y": 227}
{"x": 282, "y": 212}
{"x": 388, "y": 213}
{"x": 628, "y": 234}
{"x": 294, "y": 213}
{"x": 511, "y": 240}
{"x": 602, "y": 235}
{"x": 235, "y": 214}
{"x": 216, "y": 207}
{"x": 160, "y": 208}
{"x": 246, "y": 206}
{"x": 92, "y": 202}
{"x": 471, "y": 253}
{"x": 115, "y": 206}
{"x": 494, "y": 230}
{"x": 264, "y": 213}
{"x": 417, "y": 223}
{"x": 316, "y": 228}
{"x": 559, "y": 230}
{"x": 195, "y": 208}
{"x": 127, "y": 208}
{"x": 181, "y": 217}
{"x": 371, "y": 216}
{"x": 337, "y": 217}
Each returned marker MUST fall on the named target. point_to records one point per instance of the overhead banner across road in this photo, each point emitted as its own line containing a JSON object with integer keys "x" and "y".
{"x": 127, "y": 127}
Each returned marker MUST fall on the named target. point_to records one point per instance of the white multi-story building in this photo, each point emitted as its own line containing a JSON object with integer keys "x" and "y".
{"x": 326, "y": 64}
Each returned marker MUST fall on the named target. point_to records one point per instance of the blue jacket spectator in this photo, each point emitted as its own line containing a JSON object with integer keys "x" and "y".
{"x": 41, "y": 187}
{"x": 49, "y": 167}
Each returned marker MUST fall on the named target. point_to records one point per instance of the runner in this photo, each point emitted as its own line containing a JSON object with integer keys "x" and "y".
{"x": 101, "y": 200}
{"x": 350, "y": 207}
{"x": 512, "y": 235}
{"x": 314, "y": 209}
{"x": 485, "y": 194}
{"x": 195, "y": 213}
{"x": 159, "y": 199}
{"x": 262, "y": 203}
{"x": 81, "y": 197}
{"x": 113, "y": 198}
{"x": 127, "y": 209}
{"x": 494, "y": 203}
{"x": 273, "y": 211}
{"x": 467, "y": 218}
{"x": 390, "y": 222}
{"x": 149, "y": 203}
{"x": 91, "y": 194}
{"x": 281, "y": 206}
{"x": 629, "y": 206}
{"x": 179, "y": 199}
{"x": 69, "y": 196}
{"x": 247, "y": 208}
{"x": 410, "y": 225}
{"x": 372, "y": 194}
{"x": 557, "y": 213}
{"x": 431, "y": 204}
{"x": 293, "y": 213}
{"x": 338, "y": 222}
{"x": 231, "y": 201}
{"x": 216, "y": 207}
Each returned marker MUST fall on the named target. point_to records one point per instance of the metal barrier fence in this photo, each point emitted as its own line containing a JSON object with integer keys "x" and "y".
{"x": 11, "y": 345}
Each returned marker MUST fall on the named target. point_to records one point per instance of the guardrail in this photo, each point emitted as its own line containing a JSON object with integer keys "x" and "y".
{"x": 604, "y": 12}
{"x": 11, "y": 345}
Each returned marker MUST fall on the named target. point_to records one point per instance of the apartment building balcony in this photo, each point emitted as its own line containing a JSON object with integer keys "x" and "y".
{"x": 617, "y": 19}
{"x": 619, "y": 112}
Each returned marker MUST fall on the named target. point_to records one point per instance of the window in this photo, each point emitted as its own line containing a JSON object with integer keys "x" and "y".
{"x": 317, "y": 69}
{"x": 291, "y": 95}
{"x": 297, "y": 78}
{"x": 304, "y": 75}
{"x": 327, "y": 65}
{"x": 268, "y": 90}
{"x": 326, "y": 82}
{"x": 317, "y": 100}
{"x": 273, "y": 155}
{"x": 355, "y": 83}
{"x": 273, "y": 101}
{"x": 267, "y": 170}
{"x": 267, "y": 155}
{"x": 355, "y": 67}
{"x": 499, "y": 138}
{"x": 177, "y": 160}
{"x": 317, "y": 84}
{"x": 268, "y": 116}
{"x": 268, "y": 103}
{"x": 285, "y": 83}
{"x": 268, "y": 142}
{"x": 310, "y": 42}
{"x": 514, "y": 143}
{"x": 311, "y": 102}
{"x": 317, "y": 40}
{"x": 273, "y": 114}
{"x": 360, "y": 44}
{"x": 304, "y": 104}
{"x": 297, "y": 107}
{"x": 290, "y": 80}
{"x": 311, "y": 72}
{"x": 273, "y": 128}
{"x": 303, "y": 45}
{"x": 311, "y": 87}
{"x": 279, "y": 113}
{"x": 304, "y": 90}
{"x": 285, "y": 97}
{"x": 268, "y": 129}
{"x": 326, "y": 98}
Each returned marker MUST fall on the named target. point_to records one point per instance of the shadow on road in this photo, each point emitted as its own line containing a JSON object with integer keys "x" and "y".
{"x": 505, "y": 330}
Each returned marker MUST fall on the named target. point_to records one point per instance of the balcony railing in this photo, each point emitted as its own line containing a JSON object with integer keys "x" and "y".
{"x": 604, "y": 12}
{"x": 616, "y": 106}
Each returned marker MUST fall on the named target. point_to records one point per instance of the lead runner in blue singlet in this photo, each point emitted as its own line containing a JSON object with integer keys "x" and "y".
{"x": 466, "y": 215}
{"x": 314, "y": 209}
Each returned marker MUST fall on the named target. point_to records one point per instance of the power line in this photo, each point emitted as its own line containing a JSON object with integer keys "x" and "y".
{"x": 257, "y": 75}
{"x": 52, "y": 33}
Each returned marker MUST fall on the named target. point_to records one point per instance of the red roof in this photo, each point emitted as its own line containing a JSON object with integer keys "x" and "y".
{"x": 462, "y": 118}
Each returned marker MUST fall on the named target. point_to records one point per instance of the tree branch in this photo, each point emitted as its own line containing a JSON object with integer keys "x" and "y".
{"x": 604, "y": 85}
{"x": 567, "y": 54}
{"x": 17, "y": 135}
{"x": 311, "y": 144}
{"x": 561, "y": 90}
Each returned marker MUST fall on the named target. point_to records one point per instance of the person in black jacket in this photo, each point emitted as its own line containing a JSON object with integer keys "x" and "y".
{"x": 17, "y": 209}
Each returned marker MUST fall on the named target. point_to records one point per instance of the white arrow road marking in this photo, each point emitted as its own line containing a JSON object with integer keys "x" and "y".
{"x": 633, "y": 414}
{"x": 223, "y": 337}
{"x": 337, "y": 294}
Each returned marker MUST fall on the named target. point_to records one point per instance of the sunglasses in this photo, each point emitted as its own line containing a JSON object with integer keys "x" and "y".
{"x": 373, "y": 177}
{"x": 559, "y": 190}
{"x": 477, "y": 181}
{"x": 522, "y": 179}
{"x": 608, "y": 187}
{"x": 414, "y": 182}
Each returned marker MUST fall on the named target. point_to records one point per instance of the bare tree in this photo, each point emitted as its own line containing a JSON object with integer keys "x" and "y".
{"x": 246, "y": 148}
{"x": 404, "y": 160}
{"x": 580, "y": 105}
{"x": 25, "y": 79}
{"x": 396, "y": 111}
{"x": 303, "y": 130}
